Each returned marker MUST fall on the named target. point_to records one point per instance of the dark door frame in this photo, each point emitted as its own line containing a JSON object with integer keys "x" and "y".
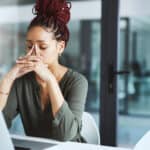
{"x": 108, "y": 66}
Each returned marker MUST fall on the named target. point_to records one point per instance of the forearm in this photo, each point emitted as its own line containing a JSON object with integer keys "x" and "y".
{"x": 55, "y": 94}
{"x": 66, "y": 125}
{"x": 5, "y": 86}
{"x": 67, "y": 121}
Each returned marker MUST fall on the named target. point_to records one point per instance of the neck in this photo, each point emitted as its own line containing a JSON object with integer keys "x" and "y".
{"x": 56, "y": 70}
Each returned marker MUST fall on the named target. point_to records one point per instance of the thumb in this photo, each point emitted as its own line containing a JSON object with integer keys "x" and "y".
{"x": 36, "y": 52}
{"x": 30, "y": 52}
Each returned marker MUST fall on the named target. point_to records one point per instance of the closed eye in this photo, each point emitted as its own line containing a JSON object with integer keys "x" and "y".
{"x": 43, "y": 48}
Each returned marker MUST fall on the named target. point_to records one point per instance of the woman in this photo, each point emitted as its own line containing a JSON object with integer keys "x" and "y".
{"x": 49, "y": 96}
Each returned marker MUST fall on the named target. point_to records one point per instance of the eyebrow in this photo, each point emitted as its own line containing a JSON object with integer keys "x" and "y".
{"x": 36, "y": 41}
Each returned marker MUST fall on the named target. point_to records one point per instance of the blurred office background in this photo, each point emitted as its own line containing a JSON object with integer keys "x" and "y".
{"x": 83, "y": 54}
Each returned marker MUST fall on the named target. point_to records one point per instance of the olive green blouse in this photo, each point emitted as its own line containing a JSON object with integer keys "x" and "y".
{"x": 24, "y": 98}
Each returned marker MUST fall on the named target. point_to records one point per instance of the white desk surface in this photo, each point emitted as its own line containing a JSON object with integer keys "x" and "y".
{"x": 113, "y": 148}
{"x": 81, "y": 146}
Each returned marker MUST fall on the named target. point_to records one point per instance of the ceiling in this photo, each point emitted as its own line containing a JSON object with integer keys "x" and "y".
{"x": 24, "y": 2}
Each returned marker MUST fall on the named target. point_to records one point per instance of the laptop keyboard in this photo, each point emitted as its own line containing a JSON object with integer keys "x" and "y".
{"x": 20, "y": 148}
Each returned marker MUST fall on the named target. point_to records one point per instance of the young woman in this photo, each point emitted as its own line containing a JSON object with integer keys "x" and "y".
{"x": 49, "y": 96}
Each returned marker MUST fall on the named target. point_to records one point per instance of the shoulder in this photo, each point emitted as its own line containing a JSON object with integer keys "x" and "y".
{"x": 75, "y": 78}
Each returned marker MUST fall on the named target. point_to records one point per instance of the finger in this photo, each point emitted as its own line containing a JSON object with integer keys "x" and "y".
{"x": 20, "y": 61}
{"x": 31, "y": 51}
{"x": 28, "y": 65}
{"x": 23, "y": 61}
{"x": 25, "y": 57}
{"x": 35, "y": 50}
{"x": 28, "y": 59}
{"x": 25, "y": 71}
{"x": 36, "y": 53}
{"x": 21, "y": 57}
{"x": 34, "y": 59}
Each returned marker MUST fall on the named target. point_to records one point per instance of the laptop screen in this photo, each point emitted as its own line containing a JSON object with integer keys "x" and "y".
{"x": 20, "y": 148}
{"x": 31, "y": 143}
{"x": 5, "y": 139}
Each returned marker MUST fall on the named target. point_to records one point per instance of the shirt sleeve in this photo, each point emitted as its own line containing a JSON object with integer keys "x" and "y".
{"x": 67, "y": 122}
{"x": 10, "y": 110}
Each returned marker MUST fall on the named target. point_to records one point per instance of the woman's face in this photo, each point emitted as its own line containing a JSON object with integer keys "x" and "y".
{"x": 43, "y": 44}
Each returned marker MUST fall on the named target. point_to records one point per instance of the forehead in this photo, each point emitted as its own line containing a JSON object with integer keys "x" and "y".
{"x": 39, "y": 34}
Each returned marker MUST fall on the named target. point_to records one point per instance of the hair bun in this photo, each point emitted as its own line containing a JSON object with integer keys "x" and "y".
{"x": 58, "y": 9}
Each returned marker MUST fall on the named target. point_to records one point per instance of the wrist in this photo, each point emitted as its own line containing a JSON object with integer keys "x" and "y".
{"x": 51, "y": 79}
{"x": 8, "y": 78}
{"x": 4, "y": 93}
{"x": 5, "y": 83}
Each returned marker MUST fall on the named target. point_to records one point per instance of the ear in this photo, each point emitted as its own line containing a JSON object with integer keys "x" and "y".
{"x": 60, "y": 47}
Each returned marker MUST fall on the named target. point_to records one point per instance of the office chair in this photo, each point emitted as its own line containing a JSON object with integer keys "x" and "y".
{"x": 17, "y": 126}
{"x": 90, "y": 130}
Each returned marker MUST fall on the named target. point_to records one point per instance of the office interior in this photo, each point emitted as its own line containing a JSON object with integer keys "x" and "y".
{"x": 83, "y": 54}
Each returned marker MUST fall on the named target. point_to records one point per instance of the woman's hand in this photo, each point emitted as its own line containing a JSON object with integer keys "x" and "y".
{"x": 35, "y": 63}
{"x": 20, "y": 69}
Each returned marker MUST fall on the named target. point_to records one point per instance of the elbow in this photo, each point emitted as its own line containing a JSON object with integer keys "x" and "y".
{"x": 70, "y": 133}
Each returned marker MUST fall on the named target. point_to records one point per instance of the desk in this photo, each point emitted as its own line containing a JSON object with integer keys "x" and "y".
{"x": 41, "y": 144}
{"x": 81, "y": 146}
{"x": 113, "y": 148}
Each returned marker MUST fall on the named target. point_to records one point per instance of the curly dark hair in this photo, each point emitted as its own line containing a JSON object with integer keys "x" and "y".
{"x": 53, "y": 15}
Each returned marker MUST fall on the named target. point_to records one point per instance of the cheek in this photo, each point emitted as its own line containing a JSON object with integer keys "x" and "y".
{"x": 49, "y": 56}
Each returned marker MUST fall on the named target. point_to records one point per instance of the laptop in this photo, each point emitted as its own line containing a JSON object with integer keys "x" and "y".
{"x": 16, "y": 142}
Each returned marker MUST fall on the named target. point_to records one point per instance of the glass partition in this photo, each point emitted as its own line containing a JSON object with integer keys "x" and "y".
{"x": 134, "y": 87}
